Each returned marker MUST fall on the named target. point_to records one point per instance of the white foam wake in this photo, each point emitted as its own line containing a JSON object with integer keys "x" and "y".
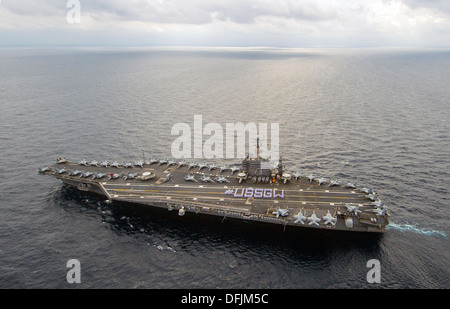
{"x": 415, "y": 229}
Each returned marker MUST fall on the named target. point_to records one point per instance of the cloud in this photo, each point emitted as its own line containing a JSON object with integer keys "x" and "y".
{"x": 437, "y": 5}
{"x": 318, "y": 22}
{"x": 205, "y": 11}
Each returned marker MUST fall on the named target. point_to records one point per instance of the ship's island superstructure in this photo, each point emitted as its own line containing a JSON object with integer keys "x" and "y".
{"x": 252, "y": 191}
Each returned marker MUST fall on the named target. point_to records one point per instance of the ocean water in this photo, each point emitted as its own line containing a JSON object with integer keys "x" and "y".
{"x": 380, "y": 117}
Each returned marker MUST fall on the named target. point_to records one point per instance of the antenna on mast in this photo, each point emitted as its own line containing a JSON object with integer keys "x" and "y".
{"x": 257, "y": 147}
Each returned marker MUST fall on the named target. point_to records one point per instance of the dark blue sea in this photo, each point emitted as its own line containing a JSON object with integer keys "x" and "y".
{"x": 380, "y": 117}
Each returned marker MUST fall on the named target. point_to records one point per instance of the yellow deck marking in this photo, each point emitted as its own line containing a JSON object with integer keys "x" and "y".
{"x": 193, "y": 192}
{"x": 171, "y": 192}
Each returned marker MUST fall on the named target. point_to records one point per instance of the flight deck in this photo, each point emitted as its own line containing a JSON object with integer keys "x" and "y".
{"x": 246, "y": 192}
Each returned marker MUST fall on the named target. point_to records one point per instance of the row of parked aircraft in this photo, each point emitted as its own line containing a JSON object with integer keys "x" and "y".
{"x": 141, "y": 163}
{"x": 205, "y": 178}
{"x": 322, "y": 180}
{"x": 86, "y": 174}
{"x": 352, "y": 209}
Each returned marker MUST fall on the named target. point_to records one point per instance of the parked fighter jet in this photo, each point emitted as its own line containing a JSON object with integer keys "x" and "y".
{"x": 171, "y": 162}
{"x": 153, "y": 160}
{"x": 372, "y": 196}
{"x": 322, "y": 180}
{"x": 115, "y": 164}
{"x": 44, "y": 169}
{"x": 139, "y": 163}
{"x": 221, "y": 179}
{"x": 353, "y": 209}
{"x": 104, "y": 163}
{"x": 206, "y": 178}
{"x": 114, "y": 176}
{"x": 223, "y": 168}
{"x": 181, "y": 163}
{"x": 329, "y": 219}
{"x": 310, "y": 177}
{"x": 94, "y": 163}
{"x": 127, "y": 164}
{"x": 98, "y": 175}
{"x": 213, "y": 166}
{"x": 281, "y": 212}
{"x": 83, "y": 162}
{"x": 129, "y": 176}
{"x": 380, "y": 211}
{"x": 190, "y": 177}
{"x": 86, "y": 174}
{"x": 314, "y": 219}
{"x": 234, "y": 169}
{"x": 59, "y": 171}
{"x": 378, "y": 204}
{"x": 192, "y": 165}
{"x": 74, "y": 173}
{"x": 167, "y": 178}
{"x": 366, "y": 190}
{"x": 334, "y": 183}
{"x": 350, "y": 185}
{"x": 202, "y": 165}
{"x": 297, "y": 175}
{"x": 300, "y": 218}
{"x": 162, "y": 161}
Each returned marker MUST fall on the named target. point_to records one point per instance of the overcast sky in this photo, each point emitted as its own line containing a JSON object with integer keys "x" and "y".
{"x": 283, "y": 23}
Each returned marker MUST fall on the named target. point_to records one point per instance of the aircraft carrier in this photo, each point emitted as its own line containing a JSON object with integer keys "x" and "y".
{"x": 252, "y": 191}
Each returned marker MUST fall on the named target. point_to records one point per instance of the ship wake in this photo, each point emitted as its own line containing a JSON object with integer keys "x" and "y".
{"x": 417, "y": 230}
